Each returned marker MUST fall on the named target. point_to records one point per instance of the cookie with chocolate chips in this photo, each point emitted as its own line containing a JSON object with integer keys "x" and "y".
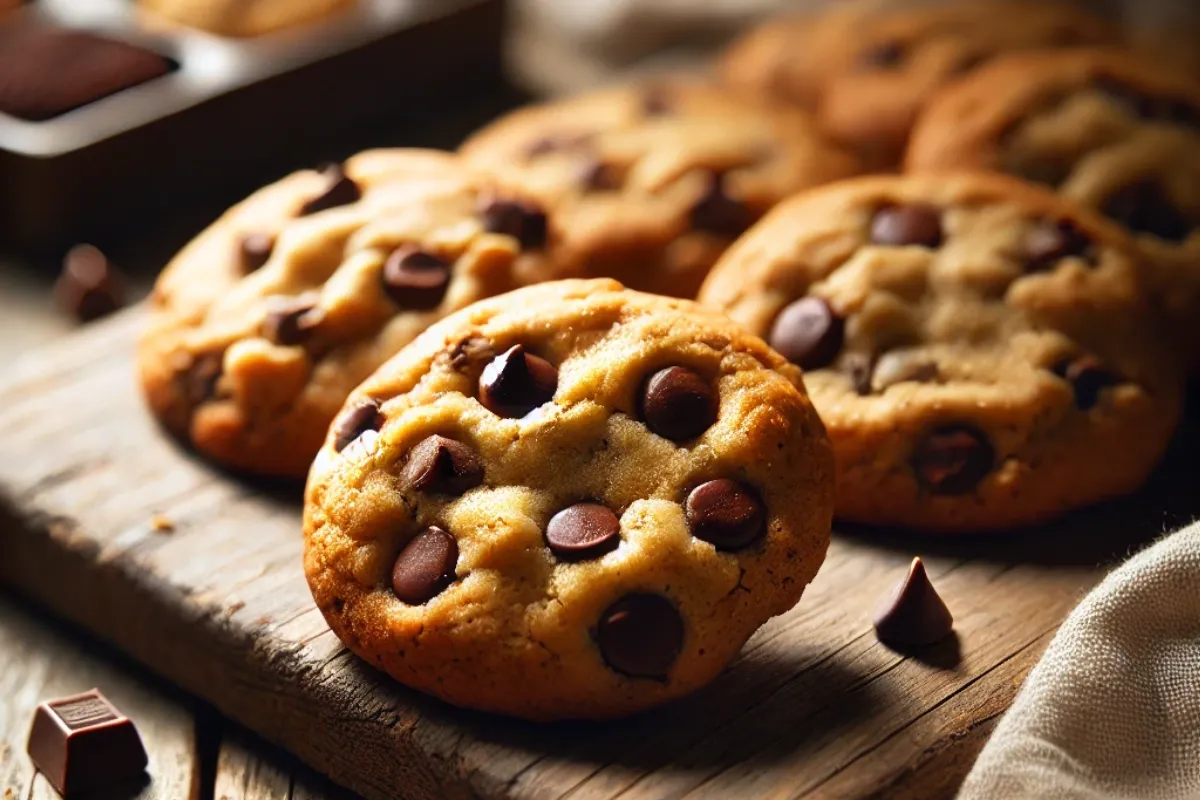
{"x": 978, "y": 348}
{"x": 570, "y": 501}
{"x": 260, "y": 327}
{"x": 1102, "y": 127}
{"x": 649, "y": 183}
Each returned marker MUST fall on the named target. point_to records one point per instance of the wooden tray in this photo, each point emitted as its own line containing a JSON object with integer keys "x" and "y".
{"x": 814, "y": 706}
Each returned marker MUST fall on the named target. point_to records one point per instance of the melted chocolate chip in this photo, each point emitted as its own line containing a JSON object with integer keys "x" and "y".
{"x": 1049, "y": 242}
{"x": 520, "y": 219}
{"x": 1088, "y": 377}
{"x": 200, "y": 380}
{"x": 858, "y": 367}
{"x": 583, "y": 531}
{"x": 356, "y": 420}
{"x": 291, "y": 322}
{"x": 906, "y": 225}
{"x": 678, "y": 404}
{"x": 952, "y": 460}
{"x": 517, "y": 382}
{"x": 339, "y": 190}
{"x": 425, "y": 567}
{"x": 415, "y": 279}
{"x": 726, "y": 514}
{"x": 715, "y": 212}
{"x": 808, "y": 333}
{"x": 640, "y": 635}
{"x": 913, "y": 614}
{"x": 442, "y": 466}
{"x": 255, "y": 250}
{"x": 596, "y": 176}
{"x": 1144, "y": 207}
{"x": 470, "y": 352}
{"x": 89, "y": 286}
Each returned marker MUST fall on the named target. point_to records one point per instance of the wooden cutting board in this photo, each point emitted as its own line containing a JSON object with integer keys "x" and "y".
{"x": 198, "y": 574}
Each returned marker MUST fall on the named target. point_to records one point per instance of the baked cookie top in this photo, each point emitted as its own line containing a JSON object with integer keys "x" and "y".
{"x": 865, "y": 69}
{"x": 977, "y": 347}
{"x": 263, "y": 324}
{"x": 1103, "y": 127}
{"x": 244, "y": 18}
{"x": 573, "y": 500}
{"x": 649, "y": 183}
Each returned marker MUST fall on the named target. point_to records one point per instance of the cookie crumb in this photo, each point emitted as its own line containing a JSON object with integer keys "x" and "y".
{"x": 161, "y": 524}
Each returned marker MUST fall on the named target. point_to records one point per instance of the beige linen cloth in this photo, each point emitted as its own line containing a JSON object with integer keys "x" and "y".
{"x": 1113, "y": 708}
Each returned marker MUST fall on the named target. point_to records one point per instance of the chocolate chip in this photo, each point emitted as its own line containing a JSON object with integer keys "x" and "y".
{"x": 1144, "y": 207}
{"x": 83, "y": 745}
{"x": 415, "y": 279}
{"x": 715, "y": 212}
{"x": 913, "y": 615}
{"x": 517, "y": 382}
{"x": 885, "y": 55}
{"x": 904, "y": 225}
{"x": 678, "y": 404}
{"x": 340, "y": 190}
{"x": 1049, "y": 242}
{"x": 443, "y": 466}
{"x": 89, "y": 286}
{"x": 656, "y": 101}
{"x": 1088, "y": 377}
{"x": 952, "y": 460}
{"x": 858, "y": 367}
{"x": 640, "y": 635}
{"x": 520, "y": 219}
{"x": 808, "y": 333}
{"x": 902, "y": 367}
{"x": 583, "y": 531}
{"x": 597, "y": 176}
{"x": 726, "y": 514}
{"x": 359, "y": 418}
{"x": 255, "y": 250}
{"x": 469, "y": 352}
{"x": 200, "y": 381}
{"x": 425, "y": 567}
{"x": 291, "y": 322}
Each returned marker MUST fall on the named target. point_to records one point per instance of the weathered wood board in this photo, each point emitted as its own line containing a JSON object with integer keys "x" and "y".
{"x": 815, "y": 706}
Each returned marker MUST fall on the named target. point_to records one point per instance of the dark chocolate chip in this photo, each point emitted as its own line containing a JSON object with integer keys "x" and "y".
{"x": 200, "y": 380}
{"x": 913, "y": 615}
{"x": 1144, "y": 207}
{"x": 656, "y": 101}
{"x": 808, "y": 333}
{"x": 640, "y": 635}
{"x": 1049, "y": 242}
{"x": 84, "y": 744}
{"x": 520, "y": 219}
{"x": 596, "y": 176}
{"x": 678, "y": 404}
{"x": 255, "y": 249}
{"x": 425, "y": 567}
{"x": 469, "y": 352}
{"x": 726, "y": 514}
{"x": 89, "y": 286}
{"x": 716, "y": 212}
{"x": 340, "y": 190}
{"x": 517, "y": 382}
{"x": 885, "y": 55}
{"x": 858, "y": 367}
{"x": 903, "y": 225}
{"x": 443, "y": 466}
{"x": 583, "y": 531}
{"x": 953, "y": 459}
{"x": 1088, "y": 377}
{"x": 356, "y": 420}
{"x": 415, "y": 279}
{"x": 291, "y": 322}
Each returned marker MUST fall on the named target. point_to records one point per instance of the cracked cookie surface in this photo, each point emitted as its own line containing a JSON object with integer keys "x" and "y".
{"x": 262, "y": 326}
{"x": 1102, "y": 127}
{"x": 980, "y": 350}
{"x": 570, "y": 501}
{"x": 649, "y": 183}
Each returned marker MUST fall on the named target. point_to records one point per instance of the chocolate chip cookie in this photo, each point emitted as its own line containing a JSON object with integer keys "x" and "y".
{"x": 244, "y": 18}
{"x": 570, "y": 501}
{"x": 981, "y": 350}
{"x": 865, "y": 69}
{"x": 1102, "y": 127}
{"x": 260, "y": 327}
{"x": 650, "y": 183}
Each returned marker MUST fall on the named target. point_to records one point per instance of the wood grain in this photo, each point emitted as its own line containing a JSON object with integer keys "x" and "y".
{"x": 814, "y": 706}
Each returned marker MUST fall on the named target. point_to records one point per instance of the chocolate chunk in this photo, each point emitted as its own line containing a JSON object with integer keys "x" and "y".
{"x": 885, "y": 55}
{"x": 858, "y": 367}
{"x": 808, "y": 333}
{"x": 469, "y": 352}
{"x": 340, "y": 190}
{"x": 415, "y": 279}
{"x": 656, "y": 101}
{"x": 716, "y": 212}
{"x": 953, "y": 459}
{"x": 583, "y": 531}
{"x": 200, "y": 380}
{"x": 255, "y": 249}
{"x": 356, "y": 420}
{"x": 1144, "y": 207}
{"x": 1088, "y": 377}
{"x": 520, "y": 219}
{"x": 517, "y": 382}
{"x": 726, "y": 514}
{"x": 1049, "y": 242}
{"x": 640, "y": 635}
{"x": 425, "y": 567}
{"x": 903, "y": 225}
{"x": 83, "y": 743}
{"x": 596, "y": 176}
{"x": 89, "y": 286}
{"x": 441, "y": 465}
{"x": 902, "y": 367}
{"x": 291, "y": 322}
{"x": 913, "y": 615}
{"x": 678, "y": 404}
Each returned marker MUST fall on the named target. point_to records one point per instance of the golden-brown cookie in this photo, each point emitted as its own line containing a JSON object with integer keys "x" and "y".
{"x": 244, "y": 18}
{"x": 981, "y": 351}
{"x": 569, "y": 501}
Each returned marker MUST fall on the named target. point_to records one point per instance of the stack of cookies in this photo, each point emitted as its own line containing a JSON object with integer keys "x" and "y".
{"x": 517, "y": 465}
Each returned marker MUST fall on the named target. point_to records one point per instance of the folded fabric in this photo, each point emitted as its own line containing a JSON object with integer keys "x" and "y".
{"x": 1113, "y": 708}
